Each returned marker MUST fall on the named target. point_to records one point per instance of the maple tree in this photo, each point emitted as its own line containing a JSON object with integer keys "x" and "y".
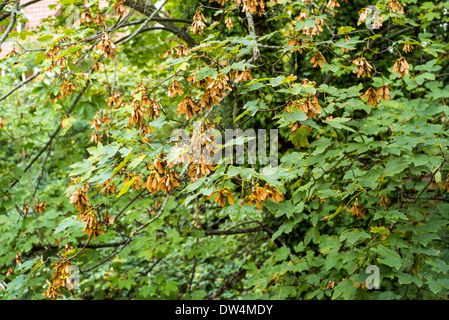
{"x": 112, "y": 162}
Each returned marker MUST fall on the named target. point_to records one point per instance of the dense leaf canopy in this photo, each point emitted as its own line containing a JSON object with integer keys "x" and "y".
{"x": 114, "y": 114}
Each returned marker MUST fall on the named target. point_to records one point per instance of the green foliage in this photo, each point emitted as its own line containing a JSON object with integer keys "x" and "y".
{"x": 362, "y": 178}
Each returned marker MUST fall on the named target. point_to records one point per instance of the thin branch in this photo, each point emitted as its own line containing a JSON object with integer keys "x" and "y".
{"x": 144, "y": 24}
{"x": 85, "y": 244}
{"x": 87, "y": 51}
{"x": 127, "y": 38}
{"x": 12, "y": 23}
{"x": 75, "y": 255}
{"x": 39, "y": 235}
{"x": 170, "y": 26}
{"x": 129, "y": 203}
{"x": 21, "y": 213}
{"x": 230, "y": 232}
{"x": 4, "y": 4}
{"x": 193, "y": 271}
{"x": 133, "y": 23}
{"x": 109, "y": 257}
{"x": 6, "y": 15}
{"x": 39, "y": 178}
{"x": 6, "y": 95}
{"x": 430, "y": 181}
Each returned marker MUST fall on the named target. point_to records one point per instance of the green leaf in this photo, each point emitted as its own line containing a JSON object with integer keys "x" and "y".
{"x": 158, "y": 123}
{"x": 345, "y": 29}
{"x": 190, "y": 198}
{"x": 134, "y": 163}
{"x": 299, "y": 137}
{"x": 338, "y": 123}
{"x": 281, "y": 208}
{"x": 312, "y": 234}
{"x": 350, "y": 44}
{"x": 380, "y": 230}
{"x": 83, "y": 168}
{"x": 69, "y": 51}
{"x": 287, "y": 118}
{"x": 67, "y": 124}
{"x": 182, "y": 66}
{"x": 17, "y": 286}
{"x": 237, "y": 212}
{"x": 309, "y": 23}
{"x": 286, "y": 227}
{"x": 71, "y": 223}
{"x": 26, "y": 265}
{"x": 388, "y": 257}
{"x": 108, "y": 152}
{"x": 101, "y": 176}
{"x": 276, "y": 81}
{"x": 175, "y": 153}
{"x": 252, "y": 107}
{"x": 330, "y": 244}
{"x": 354, "y": 236}
{"x": 203, "y": 73}
{"x": 121, "y": 164}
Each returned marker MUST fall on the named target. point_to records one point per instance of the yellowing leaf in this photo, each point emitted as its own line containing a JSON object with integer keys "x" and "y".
{"x": 126, "y": 187}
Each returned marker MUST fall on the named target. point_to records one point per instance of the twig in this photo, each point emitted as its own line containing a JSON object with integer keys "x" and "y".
{"x": 230, "y": 232}
{"x": 39, "y": 178}
{"x": 430, "y": 181}
{"x": 129, "y": 203}
{"x": 228, "y": 282}
{"x": 6, "y": 15}
{"x": 193, "y": 271}
{"x": 12, "y": 23}
{"x": 20, "y": 85}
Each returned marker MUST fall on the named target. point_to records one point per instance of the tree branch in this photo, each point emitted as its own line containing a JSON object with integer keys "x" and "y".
{"x": 143, "y": 8}
{"x": 230, "y": 232}
{"x": 144, "y": 24}
{"x": 6, "y": 15}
